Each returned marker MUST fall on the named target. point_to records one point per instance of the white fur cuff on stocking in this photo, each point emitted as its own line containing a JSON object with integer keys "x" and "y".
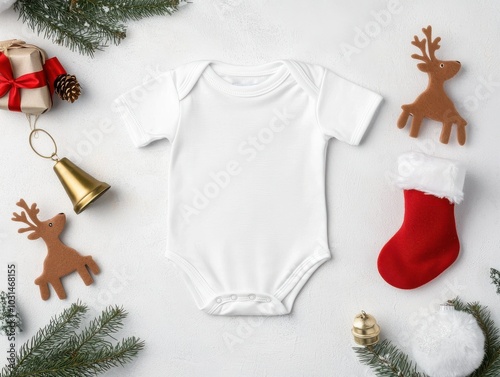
{"x": 433, "y": 175}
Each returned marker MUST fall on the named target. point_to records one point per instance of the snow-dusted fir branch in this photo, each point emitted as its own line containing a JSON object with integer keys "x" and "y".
{"x": 88, "y": 25}
{"x": 10, "y": 320}
{"x": 61, "y": 349}
{"x": 495, "y": 278}
{"x": 387, "y": 360}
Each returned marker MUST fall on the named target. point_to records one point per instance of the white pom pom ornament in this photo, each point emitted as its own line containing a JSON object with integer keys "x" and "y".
{"x": 448, "y": 343}
{"x": 6, "y": 4}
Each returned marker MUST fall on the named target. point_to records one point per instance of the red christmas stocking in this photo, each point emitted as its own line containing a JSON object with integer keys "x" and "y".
{"x": 427, "y": 242}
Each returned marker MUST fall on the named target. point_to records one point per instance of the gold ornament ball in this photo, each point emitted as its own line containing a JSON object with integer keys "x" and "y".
{"x": 365, "y": 329}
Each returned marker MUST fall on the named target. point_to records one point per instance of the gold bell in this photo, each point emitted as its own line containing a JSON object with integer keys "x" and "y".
{"x": 365, "y": 329}
{"x": 80, "y": 186}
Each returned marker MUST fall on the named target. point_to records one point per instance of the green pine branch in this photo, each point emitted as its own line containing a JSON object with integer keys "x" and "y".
{"x": 88, "y": 25}
{"x": 102, "y": 327}
{"x": 387, "y": 360}
{"x": 133, "y": 10}
{"x": 48, "y": 338}
{"x": 60, "y": 350}
{"x": 495, "y": 278}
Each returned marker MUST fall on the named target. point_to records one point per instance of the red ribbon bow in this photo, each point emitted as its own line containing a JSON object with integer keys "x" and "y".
{"x": 8, "y": 83}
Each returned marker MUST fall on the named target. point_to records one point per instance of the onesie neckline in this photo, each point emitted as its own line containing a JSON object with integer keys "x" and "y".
{"x": 278, "y": 72}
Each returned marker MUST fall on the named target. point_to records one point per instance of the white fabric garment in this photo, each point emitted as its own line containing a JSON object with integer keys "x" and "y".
{"x": 247, "y": 221}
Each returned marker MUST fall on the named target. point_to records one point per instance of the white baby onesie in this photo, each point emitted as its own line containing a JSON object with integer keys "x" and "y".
{"x": 247, "y": 221}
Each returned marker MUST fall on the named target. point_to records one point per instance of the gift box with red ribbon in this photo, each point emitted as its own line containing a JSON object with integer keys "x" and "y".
{"x": 26, "y": 78}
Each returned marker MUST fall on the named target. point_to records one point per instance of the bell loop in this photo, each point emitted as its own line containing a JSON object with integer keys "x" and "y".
{"x": 34, "y": 132}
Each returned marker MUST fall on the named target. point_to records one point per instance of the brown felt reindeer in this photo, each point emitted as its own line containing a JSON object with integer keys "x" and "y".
{"x": 434, "y": 103}
{"x": 61, "y": 260}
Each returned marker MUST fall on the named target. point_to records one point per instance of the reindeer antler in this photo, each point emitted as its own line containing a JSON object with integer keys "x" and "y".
{"x": 32, "y": 213}
{"x": 433, "y": 44}
{"x": 421, "y": 45}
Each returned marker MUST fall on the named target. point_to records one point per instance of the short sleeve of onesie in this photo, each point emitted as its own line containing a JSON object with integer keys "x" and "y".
{"x": 345, "y": 109}
{"x": 151, "y": 110}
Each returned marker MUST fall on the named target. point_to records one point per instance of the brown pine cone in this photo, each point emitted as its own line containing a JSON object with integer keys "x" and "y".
{"x": 67, "y": 87}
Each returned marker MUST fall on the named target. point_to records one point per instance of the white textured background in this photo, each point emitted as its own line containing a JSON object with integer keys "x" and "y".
{"x": 125, "y": 230}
